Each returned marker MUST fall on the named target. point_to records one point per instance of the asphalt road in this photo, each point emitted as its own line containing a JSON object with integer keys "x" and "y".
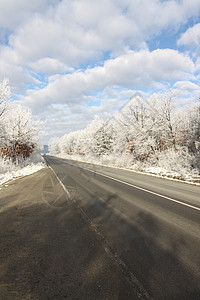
{"x": 48, "y": 250}
{"x": 83, "y": 231}
{"x": 151, "y": 225}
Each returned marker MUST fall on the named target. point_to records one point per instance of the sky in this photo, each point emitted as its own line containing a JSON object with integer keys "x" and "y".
{"x": 69, "y": 60}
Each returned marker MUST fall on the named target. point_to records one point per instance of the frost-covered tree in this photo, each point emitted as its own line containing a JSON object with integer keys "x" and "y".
{"x": 68, "y": 142}
{"x": 89, "y": 136}
{"x": 137, "y": 119}
{"x": 152, "y": 131}
{"x": 54, "y": 145}
{"x": 20, "y": 132}
{"x": 4, "y": 95}
{"x": 132, "y": 116}
{"x": 81, "y": 142}
{"x": 193, "y": 130}
{"x": 104, "y": 139}
{"x": 168, "y": 118}
{"x": 121, "y": 138}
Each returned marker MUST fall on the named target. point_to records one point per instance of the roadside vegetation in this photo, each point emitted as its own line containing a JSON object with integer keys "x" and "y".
{"x": 152, "y": 135}
{"x": 19, "y": 142}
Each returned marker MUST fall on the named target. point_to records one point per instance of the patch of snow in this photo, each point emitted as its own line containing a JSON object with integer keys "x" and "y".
{"x": 30, "y": 169}
{"x": 10, "y": 171}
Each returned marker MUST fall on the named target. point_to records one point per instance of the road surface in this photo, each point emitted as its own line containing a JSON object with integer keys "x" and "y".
{"x": 83, "y": 231}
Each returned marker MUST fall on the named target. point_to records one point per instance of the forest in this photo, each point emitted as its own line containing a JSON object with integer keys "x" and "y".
{"x": 155, "y": 135}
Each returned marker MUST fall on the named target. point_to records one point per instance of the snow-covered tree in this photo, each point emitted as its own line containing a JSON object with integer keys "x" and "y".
{"x": 89, "y": 137}
{"x": 104, "y": 139}
{"x": 19, "y": 132}
{"x": 121, "y": 137}
{"x": 143, "y": 132}
{"x": 193, "y": 130}
{"x": 54, "y": 145}
{"x": 4, "y": 95}
{"x": 137, "y": 119}
{"x": 168, "y": 118}
{"x": 81, "y": 142}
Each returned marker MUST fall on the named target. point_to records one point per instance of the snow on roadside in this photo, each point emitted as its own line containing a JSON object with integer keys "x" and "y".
{"x": 30, "y": 169}
{"x": 161, "y": 172}
{"x": 124, "y": 163}
{"x": 9, "y": 171}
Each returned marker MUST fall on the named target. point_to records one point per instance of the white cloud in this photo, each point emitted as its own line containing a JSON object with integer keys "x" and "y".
{"x": 197, "y": 67}
{"x": 187, "y": 92}
{"x": 50, "y": 66}
{"x": 71, "y": 33}
{"x": 79, "y": 48}
{"x": 13, "y": 13}
{"x": 142, "y": 69}
{"x": 186, "y": 86}
{"x": 191, "y": 37}
{"x": 77, "y": 31}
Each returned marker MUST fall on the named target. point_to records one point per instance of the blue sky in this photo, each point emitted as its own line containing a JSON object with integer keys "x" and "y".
{"x": 72, "y": 59}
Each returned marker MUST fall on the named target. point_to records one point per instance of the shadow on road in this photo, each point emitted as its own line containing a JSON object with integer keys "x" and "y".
{"x": 51, "y": 253}
{"x": 165, "y": 260}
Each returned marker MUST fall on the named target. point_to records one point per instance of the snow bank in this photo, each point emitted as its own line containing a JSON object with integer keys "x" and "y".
{"x": 9, "y": 171}
{"x": 30, "y": 169}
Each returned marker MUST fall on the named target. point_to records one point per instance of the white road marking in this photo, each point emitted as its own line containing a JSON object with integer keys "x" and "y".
{"x": 139, "y": 188}
{"x": 145, "y": 190}
{"x": 64, "y": 188}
